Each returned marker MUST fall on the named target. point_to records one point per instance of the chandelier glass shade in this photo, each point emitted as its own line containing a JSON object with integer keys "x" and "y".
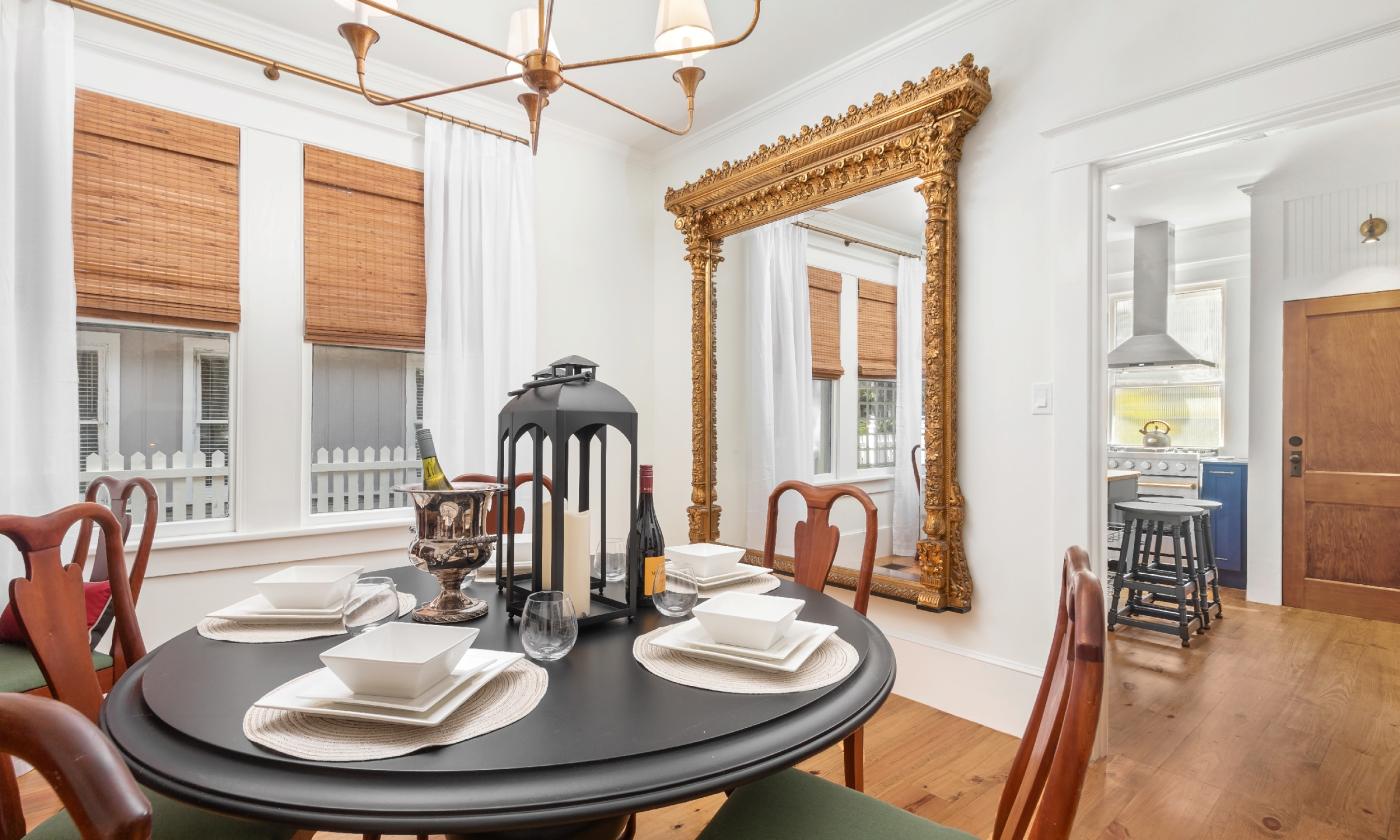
{"x": 531, "y": 56}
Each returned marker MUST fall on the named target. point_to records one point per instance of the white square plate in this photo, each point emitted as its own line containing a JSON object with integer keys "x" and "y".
{"x": 744, "y": 572}
{"x": 324, "y": 685}
{"x": 683, "y": 637}
{"x": 782, "y": 649}
{"x": 258, "y": 610}
{"x": 286, "y": 698}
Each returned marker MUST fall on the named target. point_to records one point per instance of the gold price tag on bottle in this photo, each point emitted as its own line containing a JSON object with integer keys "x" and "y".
{"x": 649, "y": 567}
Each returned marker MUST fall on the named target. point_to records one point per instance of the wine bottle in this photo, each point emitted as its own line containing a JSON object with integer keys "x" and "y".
{"x": 646, "y": 547}
{"x": 433, "y": 477}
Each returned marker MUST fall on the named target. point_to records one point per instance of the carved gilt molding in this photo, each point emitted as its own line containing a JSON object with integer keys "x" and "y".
{"x": 916, "y": 131}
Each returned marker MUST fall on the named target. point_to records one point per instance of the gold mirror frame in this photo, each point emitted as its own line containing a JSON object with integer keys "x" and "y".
{"x": 914, "y": 132}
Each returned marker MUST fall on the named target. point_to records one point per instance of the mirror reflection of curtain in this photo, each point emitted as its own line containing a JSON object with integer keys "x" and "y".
{"x": 778, "y": 423}
{"x": 909, "y": 402}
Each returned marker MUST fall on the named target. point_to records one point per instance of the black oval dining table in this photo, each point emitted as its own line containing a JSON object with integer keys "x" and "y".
{"x": 607, "y": 740}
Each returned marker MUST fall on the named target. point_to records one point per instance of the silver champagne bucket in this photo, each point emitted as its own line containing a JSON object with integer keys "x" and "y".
{"x": 450, "y": 540}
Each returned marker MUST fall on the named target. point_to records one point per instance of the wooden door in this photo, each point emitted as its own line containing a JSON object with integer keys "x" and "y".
{"x": 1341, "y": 454}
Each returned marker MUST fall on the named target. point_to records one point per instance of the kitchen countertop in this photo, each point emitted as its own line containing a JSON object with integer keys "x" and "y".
{"x": 1119, "y": 475}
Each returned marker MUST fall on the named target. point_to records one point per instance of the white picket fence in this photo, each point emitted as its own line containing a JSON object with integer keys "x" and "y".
{"x": 341, "y": 480}
{"x": 189, "y": 487}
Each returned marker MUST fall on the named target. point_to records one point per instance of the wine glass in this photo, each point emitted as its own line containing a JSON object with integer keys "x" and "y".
{"x": 615, "y": 559}
{"x": 373, "y": 601}
{"x": 549, "y": 626}
{"x": 673, "y": 595}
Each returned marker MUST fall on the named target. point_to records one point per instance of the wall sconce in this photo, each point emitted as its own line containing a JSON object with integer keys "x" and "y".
{"x": 1372, "y": 229}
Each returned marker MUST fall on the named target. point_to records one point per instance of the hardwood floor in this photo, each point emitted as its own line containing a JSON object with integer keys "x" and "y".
{"x": 1279, "y": 723}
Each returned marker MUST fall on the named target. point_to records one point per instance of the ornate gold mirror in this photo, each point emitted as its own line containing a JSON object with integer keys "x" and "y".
{"x": 913, "y": 134}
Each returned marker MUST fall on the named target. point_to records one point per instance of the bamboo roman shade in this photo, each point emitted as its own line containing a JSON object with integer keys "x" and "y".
{"x": 363, "y": 240}
{"x": 824, "y": 303}
{"x": 877, "y": 328}
{"x": 155, "y": 214}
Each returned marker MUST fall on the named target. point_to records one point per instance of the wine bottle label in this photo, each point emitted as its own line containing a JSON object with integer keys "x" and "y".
{"x": 649, "y": 567}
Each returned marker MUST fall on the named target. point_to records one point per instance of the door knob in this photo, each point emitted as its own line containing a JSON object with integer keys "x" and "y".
{"x": 1295, "y": 459}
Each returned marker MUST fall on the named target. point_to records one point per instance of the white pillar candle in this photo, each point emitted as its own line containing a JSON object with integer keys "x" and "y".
{"x": 576, "y": 559}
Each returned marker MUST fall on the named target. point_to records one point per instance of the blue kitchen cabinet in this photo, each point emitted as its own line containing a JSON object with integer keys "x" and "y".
{"x": 1227, "y": 482}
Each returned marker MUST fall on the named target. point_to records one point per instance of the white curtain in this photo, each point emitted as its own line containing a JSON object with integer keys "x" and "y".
{"x": 909, "y": 403}
{"x": 479, "y": 208}
{"x": 779, "y": 368}
{"x": 38, "y": 329}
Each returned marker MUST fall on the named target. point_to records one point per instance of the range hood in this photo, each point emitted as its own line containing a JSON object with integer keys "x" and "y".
{"x": 1154, "y": 275}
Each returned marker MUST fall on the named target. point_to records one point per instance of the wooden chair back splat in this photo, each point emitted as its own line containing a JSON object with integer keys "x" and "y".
{"x": 78, "y": 762}
{"x": 815, "y": 539}
{"x": 517, "y": 522}
{"x": 1047, "y": 776}
{"x": 51, "y": 608}
{"x": 119, "y": 495}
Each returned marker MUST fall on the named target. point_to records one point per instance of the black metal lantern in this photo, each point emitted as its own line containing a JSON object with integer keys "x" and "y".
{"x": 562, "y": 402}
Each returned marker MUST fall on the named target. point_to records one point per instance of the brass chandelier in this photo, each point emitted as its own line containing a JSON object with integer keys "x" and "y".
{"x": 683, "y": 33}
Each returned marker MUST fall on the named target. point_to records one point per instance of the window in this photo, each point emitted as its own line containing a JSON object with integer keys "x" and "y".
{"x": 98, "y": 395}
{"x": 364, "y": 406}
{"x": 1189, "y": 399}
{"x": 158, "y": 403}
{"x": 823, "y": 415}
{"x": 875, "y": 424}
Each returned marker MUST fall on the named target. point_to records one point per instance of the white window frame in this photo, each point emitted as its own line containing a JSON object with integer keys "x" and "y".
{"x": 108, "y": 347}
{"x": 1139, "y": 381}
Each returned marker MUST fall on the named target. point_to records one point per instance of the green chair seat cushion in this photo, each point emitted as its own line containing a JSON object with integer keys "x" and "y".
{"x": 19, "y": 672}
{"x": 172, "y": 820}
{"x": 793, "y": 805}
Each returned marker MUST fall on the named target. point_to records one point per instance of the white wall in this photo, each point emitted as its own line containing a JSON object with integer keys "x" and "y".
{"x": 594, "y": 220}
{"x": 1306, "y": 245}
{"x": 1216, "y": 253}
{"x": 1073, "y": 83}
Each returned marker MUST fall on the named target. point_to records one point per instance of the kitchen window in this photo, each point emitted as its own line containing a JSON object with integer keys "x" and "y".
{"x": 1188, "y": 398}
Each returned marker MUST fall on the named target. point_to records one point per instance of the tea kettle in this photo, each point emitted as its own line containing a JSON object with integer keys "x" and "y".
{"x": 1156, "y": 434}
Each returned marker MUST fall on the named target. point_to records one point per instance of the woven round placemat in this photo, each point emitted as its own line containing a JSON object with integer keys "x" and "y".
{"x": 227, "y": 630}
{"x": 509, "y": 697}
{"x": 756, "y": 585}
{"x": 829, "y": 664}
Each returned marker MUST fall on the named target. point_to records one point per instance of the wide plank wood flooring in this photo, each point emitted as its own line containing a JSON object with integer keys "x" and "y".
{"x": 1280, "y": 723}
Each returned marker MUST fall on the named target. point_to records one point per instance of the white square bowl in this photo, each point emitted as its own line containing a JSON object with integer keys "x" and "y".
{"x": 401, "y": 659}
{"x": 747, "y": 620}
{"x": 308, "y": 587}
{"x": 705, "y": 559}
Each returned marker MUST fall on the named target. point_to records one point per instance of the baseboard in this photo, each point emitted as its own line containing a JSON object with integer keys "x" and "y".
{"x": 969, "y": 687}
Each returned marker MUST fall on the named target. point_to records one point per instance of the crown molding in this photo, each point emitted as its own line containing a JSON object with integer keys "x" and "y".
{"x": 1313, "y": 50}
{"x": 950, "y": 17}
{"x": 223, "y": 23}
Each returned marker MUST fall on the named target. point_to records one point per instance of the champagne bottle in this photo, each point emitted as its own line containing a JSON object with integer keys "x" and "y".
{"x": 433, "y": 477}
{"x": 646, "y": 547}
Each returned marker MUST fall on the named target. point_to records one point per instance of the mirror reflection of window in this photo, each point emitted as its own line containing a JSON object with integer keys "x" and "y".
{"x": 823, "y": 415}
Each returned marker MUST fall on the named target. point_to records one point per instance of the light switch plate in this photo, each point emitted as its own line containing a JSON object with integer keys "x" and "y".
{"x": 1041, "y": 398}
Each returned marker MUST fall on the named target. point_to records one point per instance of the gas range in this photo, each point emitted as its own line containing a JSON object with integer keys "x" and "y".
{"x": 1165, "y": 471}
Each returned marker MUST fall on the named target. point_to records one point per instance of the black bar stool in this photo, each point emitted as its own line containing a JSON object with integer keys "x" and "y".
{"x": 1141, "y": 571}
{"x": 1205, "y": 550}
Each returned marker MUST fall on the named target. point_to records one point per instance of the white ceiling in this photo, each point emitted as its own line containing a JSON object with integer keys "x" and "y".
{"x": 1204, "y": 188}
{"x": 793, "y": 40}
{"x": 896, "y": 208}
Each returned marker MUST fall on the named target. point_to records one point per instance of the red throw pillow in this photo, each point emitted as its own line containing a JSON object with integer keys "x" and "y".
{"x": 95, "y": 594}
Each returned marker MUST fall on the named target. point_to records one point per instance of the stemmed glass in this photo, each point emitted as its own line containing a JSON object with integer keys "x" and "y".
{"x": 373, "y": 601}
{"x": 549, "y": 626}
{"x": 673, "y": 595}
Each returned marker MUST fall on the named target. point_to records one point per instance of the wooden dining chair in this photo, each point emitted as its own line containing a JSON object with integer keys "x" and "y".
{"x": 1044, "y": 782}
{"x": 77, "y": 761}
{"x": 50, "y": 606}
{"x": 814, "y": 543}
{"x": 18, "y": 670}
{"x": 517, "y": 522}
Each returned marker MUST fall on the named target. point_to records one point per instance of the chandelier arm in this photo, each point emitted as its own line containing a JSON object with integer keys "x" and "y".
{"x": 548, "y": 24}
{"x": 432, "y": 27}
{"x": 599, "y": 62}
{"x": 679, "y": 132}
{"x": 380, "y": 99}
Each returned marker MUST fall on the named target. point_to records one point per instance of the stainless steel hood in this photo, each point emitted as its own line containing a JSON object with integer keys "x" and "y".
{"x": 1154, "y": 275}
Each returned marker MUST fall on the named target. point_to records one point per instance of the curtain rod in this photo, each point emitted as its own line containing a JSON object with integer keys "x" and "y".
{"x": 273, "y": 69}
{"x": 854, "y": 240}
